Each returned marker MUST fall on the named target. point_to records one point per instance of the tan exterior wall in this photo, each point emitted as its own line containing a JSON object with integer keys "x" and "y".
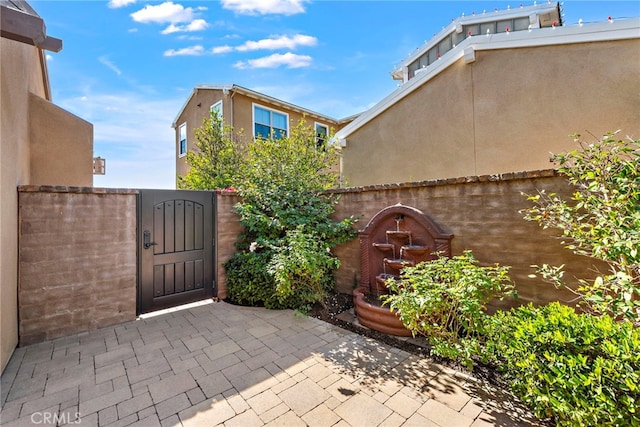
{"x": 20, "y": 74}
{"x": 237, "y": 110}
{"x": 39, "y": 143}
{"x": 61, "y": 146}
{"x": 78, "y": 269}
{"x": 505, "y": 112}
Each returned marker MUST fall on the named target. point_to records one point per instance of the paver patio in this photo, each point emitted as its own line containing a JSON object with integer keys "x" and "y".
{"x": 219, "y": 364}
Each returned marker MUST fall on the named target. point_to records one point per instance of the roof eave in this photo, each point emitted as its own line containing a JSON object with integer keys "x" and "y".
{"x": 28, "y": 28}
{"x": 601, "y": 31}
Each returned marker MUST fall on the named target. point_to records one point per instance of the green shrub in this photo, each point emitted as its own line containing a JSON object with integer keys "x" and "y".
{"x": 286, "y": 213}
{"x": 302, "y": 268}
{"x": 248, "y": 281}
{"x": 445, "y": 300}
{"x": 600, "y": 221}
{"x": 579, "y": 369}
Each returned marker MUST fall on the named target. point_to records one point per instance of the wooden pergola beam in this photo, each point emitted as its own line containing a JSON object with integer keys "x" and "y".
{"x": 28, "y": 28}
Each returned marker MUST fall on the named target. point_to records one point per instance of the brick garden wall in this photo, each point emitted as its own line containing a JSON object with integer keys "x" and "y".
{"x": 228, "y": 228}
{"x": 482, "y": 213}
{"x": 77, "y": 260}
{"x": 77, "y": 246}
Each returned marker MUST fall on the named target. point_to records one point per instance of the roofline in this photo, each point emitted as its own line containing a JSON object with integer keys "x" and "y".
{"x": 259, "y": 96}
{"x": 20, "y": 22}
{"x": 521, "y": 11}
{"x": 620, "y": 29}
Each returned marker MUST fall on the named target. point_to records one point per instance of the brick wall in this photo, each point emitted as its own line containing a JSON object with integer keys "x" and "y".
{"x": 228, "y": 228}
{"x": 77, "y": 260}
{"x": 482, "y": 213}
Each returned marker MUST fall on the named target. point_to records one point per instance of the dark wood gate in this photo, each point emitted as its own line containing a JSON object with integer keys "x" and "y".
{"x": 175, "y": 248}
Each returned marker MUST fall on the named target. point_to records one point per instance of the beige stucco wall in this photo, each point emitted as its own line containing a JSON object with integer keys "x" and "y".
{"x": 20, "y": 74}
{"x": 505, "y": 112}
{"x": 39, "y": 144}
{"x": 61, "y": 146}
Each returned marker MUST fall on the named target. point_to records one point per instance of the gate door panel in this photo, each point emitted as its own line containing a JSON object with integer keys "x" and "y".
{"x": 176, "y": 248}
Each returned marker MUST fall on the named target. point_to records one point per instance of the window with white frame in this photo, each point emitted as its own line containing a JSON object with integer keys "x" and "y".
{"x": 322, "y": 131}
{"x": 268, "y": 122}
{"x": 217, "y": 109}
{"x": 182, "y": 143}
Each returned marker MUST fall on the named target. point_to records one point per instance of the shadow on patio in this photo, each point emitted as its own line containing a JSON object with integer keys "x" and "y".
{"x": 219, "y": 364}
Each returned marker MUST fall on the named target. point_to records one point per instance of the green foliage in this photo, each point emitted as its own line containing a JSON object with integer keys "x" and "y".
{"x": 301, "y": 266}
{"x": 601, "y": 221}
{"x": 283, "y": 186}
{"x": 445, "y": 300}
{"x": 215, "y": 162}
{"x": 579, "y": 369}
{"x": 249, "y": 282}
{"x": 286, "y": 212}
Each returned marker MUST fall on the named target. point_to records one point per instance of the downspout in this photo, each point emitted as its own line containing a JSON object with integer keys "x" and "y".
{"x": 233, "y": 92}
{"x": 45, "y": 76}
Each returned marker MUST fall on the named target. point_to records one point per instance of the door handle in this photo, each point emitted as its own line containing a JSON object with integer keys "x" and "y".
{"x": 147, "y": 243}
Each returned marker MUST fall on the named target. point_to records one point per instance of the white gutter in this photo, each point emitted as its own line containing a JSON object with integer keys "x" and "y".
{"x": 587, "y": 33}
{"x": 457, "y": 24}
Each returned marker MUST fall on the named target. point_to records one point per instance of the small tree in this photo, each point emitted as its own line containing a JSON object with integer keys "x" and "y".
{"x": 601, "y": 221}
{"x": 286, "y": 210}
{"x": 216, "y": 161}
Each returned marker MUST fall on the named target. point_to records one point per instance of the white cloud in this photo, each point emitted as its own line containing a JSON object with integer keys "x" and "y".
{"x": 106, "y": 62}
{"x": 195, "y": 25}
{"x": 196, "y": 50}
{"x": 114, "y": 4}
{"x": 271, "y": 43}
{"x": 167, "y": 12}
{"x": 279, "y": 42}
{"x": 290, "y": 60}
{"x": 265, "y": 7}
{"x": 222, "y": 49}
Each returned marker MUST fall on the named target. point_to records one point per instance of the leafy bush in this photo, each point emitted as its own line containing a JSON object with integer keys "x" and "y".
{"x": 301, "y": 267}
{"x": 578, "y": 369}
{"x": 286, "y": 213}
{"x": 445, "y": 300}
{"x": 249, "y": 282}
{"x": 601, "y": 221}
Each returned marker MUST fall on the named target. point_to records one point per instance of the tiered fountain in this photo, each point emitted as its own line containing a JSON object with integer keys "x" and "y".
{"x": 396, "y": 237}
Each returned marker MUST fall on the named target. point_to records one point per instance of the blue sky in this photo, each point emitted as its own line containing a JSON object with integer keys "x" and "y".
{"x": 128, "y": 66}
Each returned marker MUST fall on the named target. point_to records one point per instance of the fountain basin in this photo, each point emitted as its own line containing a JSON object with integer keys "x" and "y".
{"x": 414, "y": 250}
{"x": 381, "y": 284}
{"x": 384, "y": 247}
{"x": 398, "y": 264}
{"x": 376, "y": 317}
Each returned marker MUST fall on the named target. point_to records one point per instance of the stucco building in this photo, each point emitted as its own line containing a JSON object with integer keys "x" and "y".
{"x": 253, "y": 113}
{"x": 40, "y": 143}
{"x": 495, "y": 93}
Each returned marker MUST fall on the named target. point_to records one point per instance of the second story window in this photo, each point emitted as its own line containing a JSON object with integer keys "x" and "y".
{"x": 267, "y": 122}
{"x": 217, "y": 109}
{"x": 182, "y": 143}
{"x": 321, "y": 134}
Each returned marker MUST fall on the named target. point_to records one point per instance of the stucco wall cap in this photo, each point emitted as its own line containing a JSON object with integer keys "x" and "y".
{"x": 497, "y": 178}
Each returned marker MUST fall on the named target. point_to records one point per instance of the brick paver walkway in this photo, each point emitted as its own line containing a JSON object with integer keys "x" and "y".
{"x": 219, "y": 364}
